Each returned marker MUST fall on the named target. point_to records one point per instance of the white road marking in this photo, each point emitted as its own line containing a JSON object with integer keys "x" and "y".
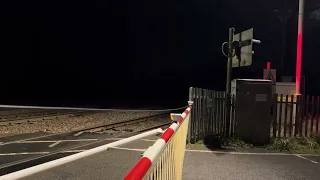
{"x": 129, "y": 149}
{"x": 79, "y": 133}
{"x": 54, "y": 144}
{"x": 315, "y": 162}
{"x": 151, "y": 140}
{"x": 71, "y": 151}
{"x": 35, "y": 153}
{"x": 115, "y": 138}
{"x": 50, "y": 141}
{"x": 22, "y": 153}
{"x": 238, "y": 153}
{"x": 248, "y": 153}
{"x": 234, "y": 153}
{"x": 13, "y": 142}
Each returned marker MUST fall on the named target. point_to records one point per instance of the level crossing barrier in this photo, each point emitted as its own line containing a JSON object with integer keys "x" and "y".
{"x": 51, "y": 164}
{"x": 164, "y": 159}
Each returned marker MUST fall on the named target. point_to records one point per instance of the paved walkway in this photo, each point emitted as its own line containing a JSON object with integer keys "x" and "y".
{"x": 204, "y": 164}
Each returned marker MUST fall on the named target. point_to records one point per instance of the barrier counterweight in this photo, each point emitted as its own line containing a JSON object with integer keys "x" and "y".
{"x": 164, "y": 159}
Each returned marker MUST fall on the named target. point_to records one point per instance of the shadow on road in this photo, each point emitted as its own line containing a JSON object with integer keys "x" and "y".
{"x": 214, "y": 143}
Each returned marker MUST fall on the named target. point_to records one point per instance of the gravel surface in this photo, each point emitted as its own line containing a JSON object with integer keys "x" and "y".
{"x": 18, "y": 111}
{"x": 74, "y": 123}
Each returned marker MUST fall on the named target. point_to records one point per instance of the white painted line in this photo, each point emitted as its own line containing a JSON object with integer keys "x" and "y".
{"x": 50, "y": 141}
{"x": 129, "y": 149}
{"x": 115, "y": 139}
{"x": 23, "y": 153}
{"x": 73, "y": 151}
{"x": 238, "y": 153}
{"x": 315, "y": 162}
{"x": 35, "y": 153}
{"x": 151, "y": 140}
{"x": 139, "y": 139}
{"x": 54, "y": 144}
{"x": 13, "y": 142}
{"x": 247, "y": 153}
{"x": 241, "y": 153}
{"x": 79, "y": 133}
{"x": 222, "y": 152}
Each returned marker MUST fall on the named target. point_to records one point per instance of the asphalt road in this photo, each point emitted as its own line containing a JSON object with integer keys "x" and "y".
{"x": 112, "y": 164}
{"x": 211, "y": 166}
{"x": 23, "y": 151}
{"x": 200, "y": 164}
{"x": 115, "y": 163}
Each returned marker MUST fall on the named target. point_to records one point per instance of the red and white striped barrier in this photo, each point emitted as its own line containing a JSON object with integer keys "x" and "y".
{"x": 184, "y": 114}
{"x": 150, "y": 155}
{"x": 51, "y": 164}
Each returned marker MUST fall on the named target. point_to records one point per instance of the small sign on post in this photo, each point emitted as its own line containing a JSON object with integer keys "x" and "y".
{"x": 270, "y": 74}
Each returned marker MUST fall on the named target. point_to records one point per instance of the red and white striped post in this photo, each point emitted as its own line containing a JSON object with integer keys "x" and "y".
{"x": 299, "y": 47}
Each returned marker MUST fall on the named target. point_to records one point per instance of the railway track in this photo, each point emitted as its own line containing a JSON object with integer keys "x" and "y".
{"x": 119, "y": 124}
{"x": 34, "y": 116}
{"x": 38, "y": 159}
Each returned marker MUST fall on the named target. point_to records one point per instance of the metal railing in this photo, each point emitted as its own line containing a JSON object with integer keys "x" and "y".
{"x": 164, "y": 159}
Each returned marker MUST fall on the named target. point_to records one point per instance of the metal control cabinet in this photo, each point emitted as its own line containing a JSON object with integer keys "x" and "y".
{"x": 253, "y": 106}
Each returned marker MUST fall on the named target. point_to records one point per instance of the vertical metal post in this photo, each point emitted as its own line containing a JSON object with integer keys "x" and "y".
{"x": 190, "y": 102}
{"x": 228, "y": 83}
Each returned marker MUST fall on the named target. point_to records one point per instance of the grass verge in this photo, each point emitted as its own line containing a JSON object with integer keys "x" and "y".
{"x": 300, "y": 145}
{"x": 220, "y": 142}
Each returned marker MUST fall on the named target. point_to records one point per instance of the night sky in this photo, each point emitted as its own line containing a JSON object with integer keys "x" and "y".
{"x": 141, "y": 53}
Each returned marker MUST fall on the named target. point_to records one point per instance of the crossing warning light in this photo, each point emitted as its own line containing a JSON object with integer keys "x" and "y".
{"x": 175, "y": 117}
{"x": 268, "y": 65}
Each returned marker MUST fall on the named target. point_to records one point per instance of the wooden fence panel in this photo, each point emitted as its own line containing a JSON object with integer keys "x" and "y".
{"x": 291, "y": 115}
{"x": 208, "y": 114}
{"x": 316, "y": 114}
{"x": 295, "y": 116}
{"x": 312, "y": 114}
{"x": 285, "y": 116}
{"x": 274, "y": 115}
{"x": 292, "y": 110}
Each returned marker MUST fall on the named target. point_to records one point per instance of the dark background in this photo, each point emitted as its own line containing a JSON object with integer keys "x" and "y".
{"x": 141, "y": 53}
